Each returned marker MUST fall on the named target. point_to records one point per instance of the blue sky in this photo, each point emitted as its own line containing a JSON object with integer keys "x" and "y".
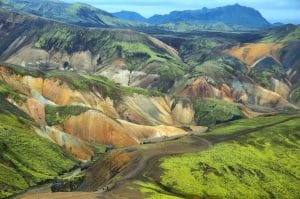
{"x": 287, "y": 11}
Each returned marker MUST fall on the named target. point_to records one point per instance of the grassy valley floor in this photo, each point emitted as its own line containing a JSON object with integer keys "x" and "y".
{"x": 262, "y": 164}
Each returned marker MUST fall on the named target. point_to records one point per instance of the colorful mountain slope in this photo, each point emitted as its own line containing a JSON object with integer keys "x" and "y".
{"x": 131, "y": 58}
{"x": 26, "y": 158}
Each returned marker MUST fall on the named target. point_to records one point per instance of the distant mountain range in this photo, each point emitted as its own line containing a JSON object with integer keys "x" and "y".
{"x": 228, "y": 18}
{"x": 231, "y": 15}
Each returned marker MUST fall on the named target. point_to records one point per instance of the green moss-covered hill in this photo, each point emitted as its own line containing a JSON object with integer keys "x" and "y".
{"x": 262, "y": 164}
{"x": 26, "y": 158}
{"x": 212, "y": 111}
{"x": 52, "y": 45}
{"x": 74, "y": 13}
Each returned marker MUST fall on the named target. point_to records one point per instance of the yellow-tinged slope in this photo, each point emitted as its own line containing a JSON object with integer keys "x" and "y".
{"x": 252, "y": 52}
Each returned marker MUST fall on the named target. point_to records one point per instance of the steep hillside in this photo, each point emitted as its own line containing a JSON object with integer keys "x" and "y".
{"x": 26, "y": 157}
{"x": 126, "y": 56}
{"x": 257, "y": 69}
{"x": 215, "y": 73}
{"x": 77, "y": 13}
{"x": 43, "y": 112}
{"x": 273, "y": 60}
{"x": 83, "y": 108}
{"x": 81, "y": 112}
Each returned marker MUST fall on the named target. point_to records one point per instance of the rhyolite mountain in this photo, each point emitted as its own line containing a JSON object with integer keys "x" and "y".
{"x": 74, "y": 13}
{"x": 133, "y": 58}
{"x": 204, "y": 62}
{"x": 129, "y": 15}
{"x": 70, "y": 93}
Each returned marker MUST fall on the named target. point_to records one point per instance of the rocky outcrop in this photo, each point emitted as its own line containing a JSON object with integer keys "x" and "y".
{"x": 97, "y": 127}
{"x": 245, "y": 92}
{"x": 35, "y": 109}
{"x": 273, "y": 66}
{"x": 155, "y": 110}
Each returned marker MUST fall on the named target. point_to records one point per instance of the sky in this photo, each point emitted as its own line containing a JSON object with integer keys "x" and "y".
{"x": 285, "y": 11}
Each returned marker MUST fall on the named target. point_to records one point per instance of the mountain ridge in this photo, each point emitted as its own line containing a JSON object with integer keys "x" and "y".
{"x": 248, "y": 17}
{"x": 81, "y": 14}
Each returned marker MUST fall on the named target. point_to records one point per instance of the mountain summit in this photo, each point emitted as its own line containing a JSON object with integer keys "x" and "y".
{"x": 231, "y": 15}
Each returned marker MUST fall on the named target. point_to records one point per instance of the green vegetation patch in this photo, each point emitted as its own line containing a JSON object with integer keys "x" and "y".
{"x": 61, "y": 39}
{"x": 138, "y": 55}
{"x": 73, "y": 79}
{"x": 79, "y": 81}
{"x": 137, "y": 47}
{"x": 114, "y": 90}
{"x": 7, "y": 91}
{"x": 19, "y": 70}
{"x": 153, "y": 191}
{"x": 245, "y": 124}
{"x": 68, "y": 183}
{"x": 292, "y": 36}
{"x": 296, "y": 96}
{"x": 58, "y": 114}
{"x": 282, "y": 34}
{"x": 72, "y": 39}
{"x": 26, "y": 158}
{"x": 263, "y": 75}
{"x": 194, "y": 26}
{"x": 212, "y": 111}
{"x": 105, "y": 86}
{"x": 263, "y": 164}
{"x": 134, "y": 48}
{"x": 221, "y": 70}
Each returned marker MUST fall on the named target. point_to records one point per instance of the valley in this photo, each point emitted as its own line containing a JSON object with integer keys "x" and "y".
{"x": 147, "y": 168}
{"x": 182, "y": 105}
